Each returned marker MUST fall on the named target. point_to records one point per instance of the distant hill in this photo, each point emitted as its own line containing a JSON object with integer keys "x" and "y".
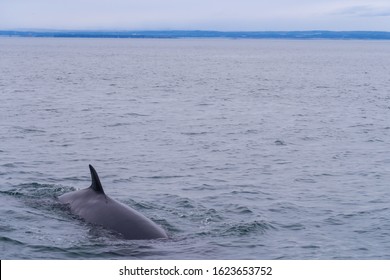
{"x": 343, "y": 35}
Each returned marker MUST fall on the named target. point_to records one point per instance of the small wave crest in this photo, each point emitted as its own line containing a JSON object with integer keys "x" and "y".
{"x": 248, "y": 228}
{"x": 36, "y": 190}
{"x": 4, "y": 239}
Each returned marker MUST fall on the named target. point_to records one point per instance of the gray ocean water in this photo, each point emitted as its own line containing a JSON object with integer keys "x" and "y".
{"x": 239, "y": 149}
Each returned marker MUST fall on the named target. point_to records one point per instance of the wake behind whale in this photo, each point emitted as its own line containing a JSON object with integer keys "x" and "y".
{"x": 94, "y": 206}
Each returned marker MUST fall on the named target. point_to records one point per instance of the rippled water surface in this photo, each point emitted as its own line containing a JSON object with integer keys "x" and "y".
{"x": 240, "y": 149}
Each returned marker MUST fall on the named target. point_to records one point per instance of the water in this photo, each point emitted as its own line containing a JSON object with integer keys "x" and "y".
{"x": 240, "y": 149}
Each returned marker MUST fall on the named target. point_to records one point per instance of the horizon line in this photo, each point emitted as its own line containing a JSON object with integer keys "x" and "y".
{"x": 173, "y": 30}
{"x": 177, "y": 34}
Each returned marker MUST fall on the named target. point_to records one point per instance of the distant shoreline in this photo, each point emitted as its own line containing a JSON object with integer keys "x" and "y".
{"x": 177, "y": 34}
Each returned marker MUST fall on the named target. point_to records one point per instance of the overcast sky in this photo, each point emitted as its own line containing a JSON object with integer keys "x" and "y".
{"x": 246, "y": 15}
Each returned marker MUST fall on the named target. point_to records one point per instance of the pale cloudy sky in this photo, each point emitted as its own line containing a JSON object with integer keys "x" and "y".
{"x": 223, "y": 15}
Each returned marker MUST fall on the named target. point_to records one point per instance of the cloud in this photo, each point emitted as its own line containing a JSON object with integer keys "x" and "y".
{"x": 365, "y": 11}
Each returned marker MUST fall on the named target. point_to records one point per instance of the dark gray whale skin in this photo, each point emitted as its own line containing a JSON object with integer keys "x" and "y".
{"x": 94, "y": 206}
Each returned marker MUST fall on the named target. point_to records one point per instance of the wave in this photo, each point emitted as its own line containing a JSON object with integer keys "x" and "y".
{"x": 247, "y": 228}
{"x": 36, "y": 190}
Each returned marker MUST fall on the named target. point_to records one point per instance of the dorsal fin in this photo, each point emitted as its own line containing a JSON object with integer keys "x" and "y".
{"x": 96, "y": 185}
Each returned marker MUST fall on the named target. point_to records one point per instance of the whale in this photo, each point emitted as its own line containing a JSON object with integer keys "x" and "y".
{"x": 95, "y": 207}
